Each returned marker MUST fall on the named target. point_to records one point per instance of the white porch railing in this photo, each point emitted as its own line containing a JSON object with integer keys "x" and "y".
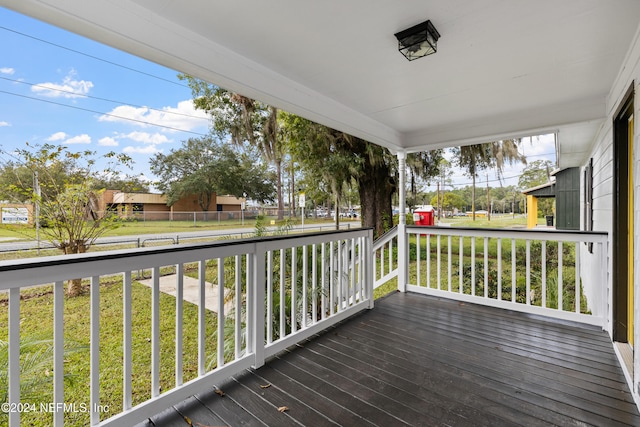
{"x": 385, "y": 253}
{"x": 271, "y": 294}
{"x": 533, "y": 271}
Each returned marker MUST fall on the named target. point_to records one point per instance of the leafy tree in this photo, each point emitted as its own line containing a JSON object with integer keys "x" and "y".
{"x": 341, "y": 160}
{"x": 426, "y": 165}
{"x": 17, "y": 179}
{"x": 534, "y": 174}
{"x": 67, "y": 196}
{"x": 124, "y": 184}
{"x": 473, "y": 159}
{"x": 245, "y": 120}
{"x": 320, "y": 153}
{"x": 205, "y": 167}
{"x": 332, "y": 156}
{"x": 450, "y": 201}
{"x": 479, "y": 157}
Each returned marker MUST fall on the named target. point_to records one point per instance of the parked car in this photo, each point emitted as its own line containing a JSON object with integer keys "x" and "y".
{"x": 349, "y": 214}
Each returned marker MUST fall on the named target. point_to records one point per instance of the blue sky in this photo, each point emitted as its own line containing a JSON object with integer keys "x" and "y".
{"x": 60, "y": 88}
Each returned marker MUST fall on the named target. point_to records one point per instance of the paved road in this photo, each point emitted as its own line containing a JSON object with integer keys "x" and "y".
{"x": 171, "y": 237}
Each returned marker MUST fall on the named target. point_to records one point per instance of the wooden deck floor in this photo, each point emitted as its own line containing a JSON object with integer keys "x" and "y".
{"x": 421, "y": 361}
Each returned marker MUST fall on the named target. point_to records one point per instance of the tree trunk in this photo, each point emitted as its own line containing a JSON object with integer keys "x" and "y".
{"x": 473, "y": 198}
{"x": 336, "y": 210}
{"x": 376, "y": 188}
{"x": 204, "y": 201}
{"x": 293, "y": 191}
{"x": 74, "y": 286}
{"x": 279, "y": 189}
{"x": 488, "y": 201}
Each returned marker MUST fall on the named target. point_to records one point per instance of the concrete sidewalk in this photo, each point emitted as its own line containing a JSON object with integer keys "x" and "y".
{"x": 191, "y": 291}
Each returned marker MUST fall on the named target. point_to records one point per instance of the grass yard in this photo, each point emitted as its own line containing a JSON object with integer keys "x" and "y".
{"x": 36, "y": 324}
{"x": 129, "y": 228}
{"x": 496, "y": 221}
{"x": 426, "y": 273}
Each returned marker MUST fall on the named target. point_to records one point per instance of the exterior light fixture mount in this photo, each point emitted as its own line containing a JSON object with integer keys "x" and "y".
{"x": 418, "y": 41}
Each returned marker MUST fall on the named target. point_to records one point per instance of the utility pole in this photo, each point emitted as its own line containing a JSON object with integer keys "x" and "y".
{"x": 36, "y": 187}
{"x": 488, "y": 203}
{"x": 438, "y": 200}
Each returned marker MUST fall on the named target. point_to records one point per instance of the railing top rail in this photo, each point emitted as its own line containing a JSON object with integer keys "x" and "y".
{"x": 531, "y": 234}
{"x": 390, "y": 234}
{"x": 125, "y": 254}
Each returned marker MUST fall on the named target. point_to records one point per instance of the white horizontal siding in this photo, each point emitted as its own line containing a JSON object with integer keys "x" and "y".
{"x": 603, "y": 186}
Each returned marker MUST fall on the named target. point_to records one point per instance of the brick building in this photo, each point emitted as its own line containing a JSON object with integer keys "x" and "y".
{"x": 153, "y": 206}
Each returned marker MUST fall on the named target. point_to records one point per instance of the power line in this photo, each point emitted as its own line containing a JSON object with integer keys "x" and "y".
{"x": 541, "y": 155}
{"x": 102, "y": 113}
{"x": 101, "y": 99}
{"x": 93, "y": 57}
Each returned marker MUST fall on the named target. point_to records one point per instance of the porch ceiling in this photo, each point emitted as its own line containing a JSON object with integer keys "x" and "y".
{"x": 504, "y": 68}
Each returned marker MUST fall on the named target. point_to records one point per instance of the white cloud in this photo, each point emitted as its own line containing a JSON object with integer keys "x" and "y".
{"x": 107, "y": 141}
{"x": 63, "y": 138}
{"x": 182, "y": 117}
{"x": 185, "y": 116}
{"x": 146, "y": 138}
{"x": 69, "y": 88}
{"x": 7, "y": 70}
{"x": 2, "y": 124}
{"x": 58, "y": 136}
{"x": 125, "y": 113}
{"x": 79, "y": 139}
{"x": 147, "y": 149}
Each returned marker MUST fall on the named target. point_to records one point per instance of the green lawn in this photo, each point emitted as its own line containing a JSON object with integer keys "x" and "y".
{"x": 36, "y": 323}
{"x": 128, "y": 228}
{"x": 428, "y": 271}
{"x": 496, "y": 221}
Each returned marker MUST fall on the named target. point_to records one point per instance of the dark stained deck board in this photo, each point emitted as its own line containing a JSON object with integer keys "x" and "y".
{"x": 488, "y": 334}
{"x": 555, "y": 359}
{"x": 227, "y": 410}
{"x": 399, "y": 383}
{"x": 535, "y": 327}
{"x": 197, "y": 413}
{"x": 478, "y": 368}
{"x": 421, "y": 361}
{"x": 339, "y": 414}
{"x": 541, "y": 368}
{"x": 438, "y": 390}
{"x": 554, "y": 334}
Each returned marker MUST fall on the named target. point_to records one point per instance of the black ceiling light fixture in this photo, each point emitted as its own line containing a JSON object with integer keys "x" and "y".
{"x": 418, "y": 41}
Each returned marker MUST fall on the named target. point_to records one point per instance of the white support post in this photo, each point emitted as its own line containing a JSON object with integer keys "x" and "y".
{"x": 58, "y": 350}
{"x": 202, "y": 272}
{"x": 155, "y": 332}
{"x": 221, "y": 314}
{"x": 370, "y": 266}
{"x": 127, "y": 346}
{"x": 179, "y": 322}
{"x": 94, "y": 351}
{"x": 256, "y": 285}
{"x": 403, "y": 253}
{"x": 14, "y": 355}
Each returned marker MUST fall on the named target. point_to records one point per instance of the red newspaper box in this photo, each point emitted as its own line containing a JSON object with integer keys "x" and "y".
{"x": 423, "y": 215}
